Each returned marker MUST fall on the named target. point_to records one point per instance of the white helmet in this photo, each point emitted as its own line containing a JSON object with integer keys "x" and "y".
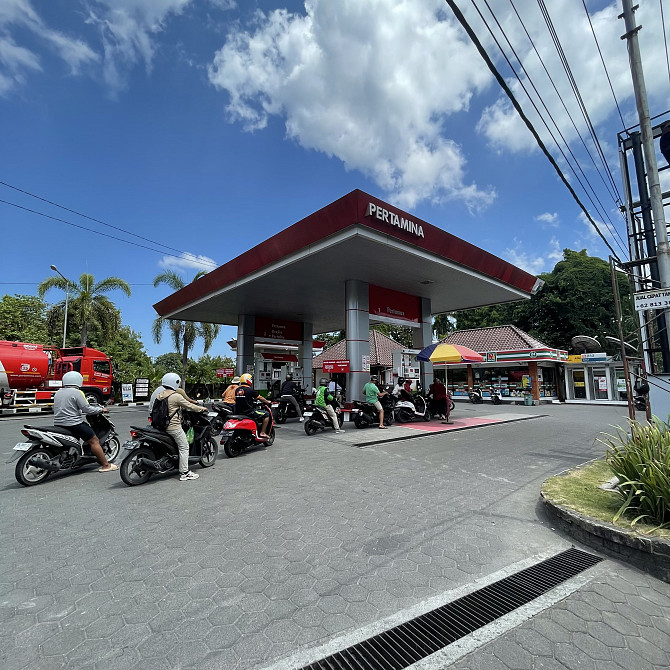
{"x": 171, "y": 380}
{"x": 73, "y": 378}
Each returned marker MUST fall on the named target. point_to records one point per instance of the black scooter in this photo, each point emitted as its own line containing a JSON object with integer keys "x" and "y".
{"x": 219, "y": 415}
{"x": 319, "y": 419}
{"x": 152, "y": 451}
{"x": 284, "y": 409}
{"x": 365, "y": 413}
{"x": 54, "y": 448}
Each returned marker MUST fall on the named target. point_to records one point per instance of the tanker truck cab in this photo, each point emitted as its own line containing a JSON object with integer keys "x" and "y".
{"x": 93, "y": 365}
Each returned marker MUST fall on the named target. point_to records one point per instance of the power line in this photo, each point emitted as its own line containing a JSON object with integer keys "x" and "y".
{"x": 112, "y": 237}
{"x": 109, "y": 225}
{"x": 97, "y": 232}
{"x": 601, "y": 211}
{"x": 529, "y": 125}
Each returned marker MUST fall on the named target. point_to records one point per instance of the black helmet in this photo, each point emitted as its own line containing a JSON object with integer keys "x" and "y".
{"x": 289, "y": 377}
{"x": 323, "y": 381}
{"x": 374, "y": 378}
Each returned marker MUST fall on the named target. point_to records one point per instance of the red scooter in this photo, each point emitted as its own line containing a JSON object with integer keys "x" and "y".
{"x": 240, "y": 432}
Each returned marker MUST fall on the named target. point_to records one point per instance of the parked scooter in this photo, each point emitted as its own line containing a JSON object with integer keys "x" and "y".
{"x": 152, "y": 451}
{"x": 365, "y": 413}
{"x": 319, "y": 419}
{"x": 416, "y": 409}
{"x": 219, "y": 415}
{"x": 284, "y": 409}
{"x": 640, "y": 393}
{"x": 476, "y": 397}
{"x": 53, "y": 448}
{"x": 241, "y": 432}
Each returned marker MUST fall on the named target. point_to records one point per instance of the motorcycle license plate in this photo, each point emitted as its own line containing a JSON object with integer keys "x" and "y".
{"x": 131, "y": 444}
{"x": 212, "y": 414}
{"x": 23, "y": 446}
{"x": 307, "y": 413}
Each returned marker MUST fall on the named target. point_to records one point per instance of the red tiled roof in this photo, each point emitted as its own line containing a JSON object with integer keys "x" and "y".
{"x": 381, "y": 348}
{"x": 495, "y": 338}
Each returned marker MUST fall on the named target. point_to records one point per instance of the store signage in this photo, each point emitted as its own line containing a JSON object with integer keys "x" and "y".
{"x": 365, "y": 363}
{"x": 575, "y": 358}
{"x": 645, "y": 300}
{"x": 282, "y": 358}
{"x": 278, "y": 329}
{"x": 127, "y": 392}
{"x": 225, "y": 372}
{"x": 394, "y": 306}
{"x": 142, "y": 388}
{"x": 594, "y": 357}
{"x": 336, "y": 366}
{"x": 491, "y": 357}
{"x": 392, "y": 219}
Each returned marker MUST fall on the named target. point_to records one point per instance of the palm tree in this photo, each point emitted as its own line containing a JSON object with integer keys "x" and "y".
{"x": 183, "y": 333}
{"x": 89, "y": 305}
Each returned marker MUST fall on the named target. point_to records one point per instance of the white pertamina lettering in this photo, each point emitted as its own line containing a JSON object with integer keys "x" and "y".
{"x": 393, "y": 219}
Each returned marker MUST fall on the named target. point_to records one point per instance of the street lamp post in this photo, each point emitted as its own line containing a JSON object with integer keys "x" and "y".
{"x": 55, "y": 269}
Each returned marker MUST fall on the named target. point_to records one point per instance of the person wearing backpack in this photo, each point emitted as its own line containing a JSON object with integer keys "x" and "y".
{"x": 167, "y": 409}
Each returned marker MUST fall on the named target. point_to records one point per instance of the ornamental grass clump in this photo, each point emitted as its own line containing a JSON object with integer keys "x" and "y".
{"x": 640, "y": 460}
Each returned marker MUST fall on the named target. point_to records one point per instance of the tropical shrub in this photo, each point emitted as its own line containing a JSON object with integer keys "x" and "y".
{"x": 640, "y": 459}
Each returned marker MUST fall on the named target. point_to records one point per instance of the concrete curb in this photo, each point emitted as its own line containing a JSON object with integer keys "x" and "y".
{"x": 651, "y": 554}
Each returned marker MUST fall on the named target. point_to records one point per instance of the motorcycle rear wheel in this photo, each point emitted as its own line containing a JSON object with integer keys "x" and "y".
{"x": 310, "y": 427}
{"x": 210, "y": 451}
{"x": 217, "y": 426}
{"x": 280, "y": 416}
{"x": 232, "y": 447}
{"x": 111, "y": 448}
{"x": 129, "y": 474}
{"x": 388, "y": 420}
{"x": 402, "y": 417}
{"x": 29, "y": 475}
{"x": 359, "y": 422}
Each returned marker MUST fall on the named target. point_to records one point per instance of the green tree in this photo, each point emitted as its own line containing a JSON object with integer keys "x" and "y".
{"x": 23, "y": 318}
{"x": 576, "y": 299}
{"x": 170, "y": 362}
{"x": 87, "y": 304}
{"x": 401, "y": 334}
{"x": 184, "y": 333}
{"x": 330, "y": 339}
{"x": 443, "y": 324}
{"x": 129, "y": 359}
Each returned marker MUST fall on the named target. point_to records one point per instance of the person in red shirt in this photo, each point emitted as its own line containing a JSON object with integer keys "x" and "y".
{"x": 438, "y": 392}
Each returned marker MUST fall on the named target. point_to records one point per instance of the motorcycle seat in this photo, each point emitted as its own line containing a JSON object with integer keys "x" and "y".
{"x": 60, "y": 430}
{"x": 241, "y": 417}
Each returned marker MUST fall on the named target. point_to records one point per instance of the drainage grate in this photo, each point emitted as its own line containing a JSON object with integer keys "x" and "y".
{"x": 403, "y": 645}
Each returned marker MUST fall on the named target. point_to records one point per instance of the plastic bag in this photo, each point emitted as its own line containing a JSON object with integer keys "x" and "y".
{"x": 190, "y": 435}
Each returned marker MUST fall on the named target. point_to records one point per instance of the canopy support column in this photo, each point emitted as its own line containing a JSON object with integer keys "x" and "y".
{"x": 357, "y": 320}
{"x": 421, "y": 338}
{"x": 305, "y": 358}
{"x": 245, "y": 344}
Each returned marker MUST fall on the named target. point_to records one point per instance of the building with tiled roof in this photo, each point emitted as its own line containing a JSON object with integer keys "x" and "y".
{"x": 495, "y": 338}
{"x": 381, "y": 351}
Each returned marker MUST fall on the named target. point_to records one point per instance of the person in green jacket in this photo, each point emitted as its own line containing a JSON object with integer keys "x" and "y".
{"x": 323, "y": 399}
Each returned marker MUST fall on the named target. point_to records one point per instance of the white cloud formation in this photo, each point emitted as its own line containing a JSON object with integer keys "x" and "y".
{"x": 551, "y": 220}
{"x": 16, "y": 60}
{"x": 188, "y": 261}
{"x": 372, "y": 83}
{"x": 534, "y": 263}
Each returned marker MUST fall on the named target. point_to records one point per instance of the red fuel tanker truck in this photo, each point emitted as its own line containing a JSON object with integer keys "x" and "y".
{"x": 30, "y": 374}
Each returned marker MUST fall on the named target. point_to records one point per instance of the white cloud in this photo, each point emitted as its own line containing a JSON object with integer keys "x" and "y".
{"x": 534, "y": 263}
{"x": 372, "y": 83}
{"x": 188, "y": 262}
{"x": 16, "y": 60}
{"x": 551, "y": 220}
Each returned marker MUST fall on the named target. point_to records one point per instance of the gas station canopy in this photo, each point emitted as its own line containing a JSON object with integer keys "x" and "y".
{"x": 300, "y": 273}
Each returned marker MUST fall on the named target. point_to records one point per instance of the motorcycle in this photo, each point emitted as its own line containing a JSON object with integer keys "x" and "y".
{"x": 241, "y": 432}
{"x": 219, "y": 415}
{"x": 640, "y": 393}
{"x": 152, "y": 451}
{"x": 477, "y": 397}
{"x": 319, "y": 419}
{"x": 54, "y": 448}
{"x": 284, "y": 409}
{"x": 416, "y": 409}
{"x": 365, "y": 413}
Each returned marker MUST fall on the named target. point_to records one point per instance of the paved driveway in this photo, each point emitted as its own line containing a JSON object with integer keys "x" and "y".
{"x": 309, "y": 543}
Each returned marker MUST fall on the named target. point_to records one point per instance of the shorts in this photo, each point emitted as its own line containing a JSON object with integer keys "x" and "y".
{"x": 81, "y": 430}
{"x": 378, "y": 405}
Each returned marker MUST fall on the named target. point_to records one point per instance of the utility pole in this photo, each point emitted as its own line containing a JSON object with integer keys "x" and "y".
{"x": 655, "y": 193}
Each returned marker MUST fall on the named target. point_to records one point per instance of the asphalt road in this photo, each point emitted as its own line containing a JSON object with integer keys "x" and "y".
{"x": 270, "y": 556}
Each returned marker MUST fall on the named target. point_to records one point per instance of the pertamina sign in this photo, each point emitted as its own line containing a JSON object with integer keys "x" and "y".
{"x": 392, "y": 219}
{"x": 336, "y": 366}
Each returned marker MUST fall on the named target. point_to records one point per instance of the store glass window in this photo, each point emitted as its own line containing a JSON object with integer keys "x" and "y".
{"x": 600, "y": 384}
{"x": 547, "y": 382}
{"x": 457, "y": 379}
{"x": 619, "y": 385}
{"x": 577, "y": 386}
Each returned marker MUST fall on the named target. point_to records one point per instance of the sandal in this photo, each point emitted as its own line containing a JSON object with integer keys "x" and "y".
{"x": 112, "y": 467}
{"x": 383, "y": 427}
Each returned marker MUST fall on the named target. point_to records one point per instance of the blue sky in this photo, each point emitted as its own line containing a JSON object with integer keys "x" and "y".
{"x": 210, "y": 125}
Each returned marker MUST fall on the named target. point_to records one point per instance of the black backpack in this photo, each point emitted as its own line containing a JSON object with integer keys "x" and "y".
{"x": 160, "y": 414}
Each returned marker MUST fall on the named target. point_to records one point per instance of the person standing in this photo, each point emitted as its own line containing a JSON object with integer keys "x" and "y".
{"x": 70, "y": 405}
{"x": 438, "y": 392}
{"x": 176, "y": 402}
{"x": 372, "y": 395}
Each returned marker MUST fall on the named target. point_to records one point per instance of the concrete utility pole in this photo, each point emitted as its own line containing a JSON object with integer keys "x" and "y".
{"x": 655, "y": 194}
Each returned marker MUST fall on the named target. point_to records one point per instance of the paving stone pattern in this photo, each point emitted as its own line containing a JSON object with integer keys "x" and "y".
{"x": 286, "y": 548}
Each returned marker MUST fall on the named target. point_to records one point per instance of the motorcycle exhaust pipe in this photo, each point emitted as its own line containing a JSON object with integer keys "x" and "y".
{"x": 43, "y": 465}
{"x": 152, "y": 466}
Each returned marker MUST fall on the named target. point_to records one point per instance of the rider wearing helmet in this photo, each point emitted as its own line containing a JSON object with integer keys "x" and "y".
{"x": 178, "y": 400}
{"x": 288, "y": 389}
{"x": 372, "y": 395}
{"x": 70, "y": 405}
{"x": 324, "y": 399}
{"x": 245, "y": 403}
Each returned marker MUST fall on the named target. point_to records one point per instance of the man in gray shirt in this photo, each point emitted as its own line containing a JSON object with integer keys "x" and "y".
{"x": 70, "y": 405}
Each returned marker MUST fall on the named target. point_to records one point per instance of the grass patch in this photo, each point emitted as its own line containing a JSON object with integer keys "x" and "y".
{"x": 579, "y": 490}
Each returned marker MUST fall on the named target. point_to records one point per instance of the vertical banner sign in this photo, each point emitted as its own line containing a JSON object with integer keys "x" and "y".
{"x": 365, "y": 363}
{"x": 127, "y": 392}
{"x": 142, "y": 388}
